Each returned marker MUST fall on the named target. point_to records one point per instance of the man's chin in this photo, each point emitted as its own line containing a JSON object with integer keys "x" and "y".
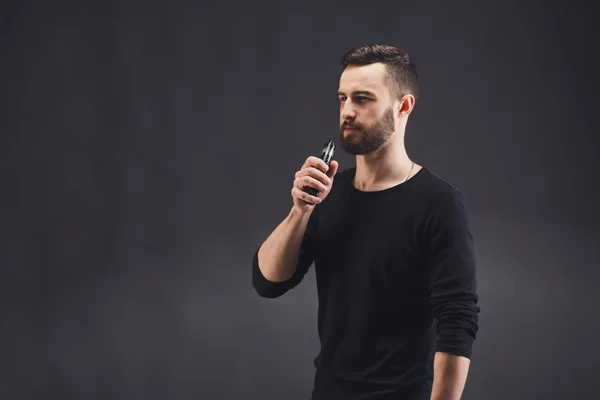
{"x": 352, "y": 148}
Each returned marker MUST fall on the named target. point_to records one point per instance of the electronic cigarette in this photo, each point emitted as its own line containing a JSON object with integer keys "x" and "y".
{"x": 326, "y": 156}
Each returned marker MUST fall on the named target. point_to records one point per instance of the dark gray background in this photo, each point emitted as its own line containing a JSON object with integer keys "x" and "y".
{"x": 149, "y": 147}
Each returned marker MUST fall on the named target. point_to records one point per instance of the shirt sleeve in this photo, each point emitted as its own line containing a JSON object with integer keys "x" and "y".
{"x": 452, "y": 274}
{"x": 308, "y": 251}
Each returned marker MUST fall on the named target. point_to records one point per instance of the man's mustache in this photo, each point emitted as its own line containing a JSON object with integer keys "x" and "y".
{"x": 350, "y": 125}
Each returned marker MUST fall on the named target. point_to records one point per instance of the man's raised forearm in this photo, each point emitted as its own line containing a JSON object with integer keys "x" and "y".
{"x": 278, "y": 255}
{"x": 449, "y": 376}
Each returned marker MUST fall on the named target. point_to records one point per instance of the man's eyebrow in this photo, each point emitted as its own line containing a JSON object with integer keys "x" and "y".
{"x": 358, "y": 92}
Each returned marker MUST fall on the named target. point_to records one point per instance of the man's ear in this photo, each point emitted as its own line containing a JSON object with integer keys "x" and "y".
{"x": 407, "y": 103}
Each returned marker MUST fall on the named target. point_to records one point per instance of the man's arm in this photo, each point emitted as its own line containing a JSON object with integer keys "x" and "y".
{"x": 284, "y": 257}
{"x": 449, "y": 376}
{"x": 452, "y": 293}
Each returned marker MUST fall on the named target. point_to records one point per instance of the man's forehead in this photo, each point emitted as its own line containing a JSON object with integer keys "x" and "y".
{"x": 365, "y": 77}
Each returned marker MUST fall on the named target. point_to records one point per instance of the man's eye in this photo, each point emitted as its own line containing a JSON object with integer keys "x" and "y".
{"x": 356, "y": 98}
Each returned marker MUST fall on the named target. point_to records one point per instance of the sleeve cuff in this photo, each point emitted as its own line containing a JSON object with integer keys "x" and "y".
{"x": 456, "y": 341}
{"x": 464, "y": 350}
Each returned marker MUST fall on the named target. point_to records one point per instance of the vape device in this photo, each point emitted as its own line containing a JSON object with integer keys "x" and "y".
{"x": 326, "y": 156}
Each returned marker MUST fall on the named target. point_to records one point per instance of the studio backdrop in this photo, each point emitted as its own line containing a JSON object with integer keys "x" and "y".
{"x": 148, "y": 148}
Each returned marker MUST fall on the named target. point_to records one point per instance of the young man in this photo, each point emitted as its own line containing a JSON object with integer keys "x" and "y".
{"x": 392, "y": 246}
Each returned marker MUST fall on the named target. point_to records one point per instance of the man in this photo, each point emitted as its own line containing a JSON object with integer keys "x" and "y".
{"x": 392, "y": 247}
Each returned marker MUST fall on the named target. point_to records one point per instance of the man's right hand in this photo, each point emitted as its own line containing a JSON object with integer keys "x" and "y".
{"x": 314, "y": 173}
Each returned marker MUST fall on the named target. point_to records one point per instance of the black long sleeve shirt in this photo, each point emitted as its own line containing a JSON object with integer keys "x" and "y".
{"x": 388, "y": 265}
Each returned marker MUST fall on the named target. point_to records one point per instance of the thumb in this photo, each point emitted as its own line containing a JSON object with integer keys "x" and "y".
{"x": 333, "y": 167}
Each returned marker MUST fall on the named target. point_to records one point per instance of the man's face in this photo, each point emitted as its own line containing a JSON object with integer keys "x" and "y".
{"x": 366, "y": 113}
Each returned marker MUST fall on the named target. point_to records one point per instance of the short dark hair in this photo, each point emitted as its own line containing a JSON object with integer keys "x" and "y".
{"x": 402, "y": 77}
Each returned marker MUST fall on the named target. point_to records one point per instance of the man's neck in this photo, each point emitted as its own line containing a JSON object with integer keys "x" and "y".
{"x": 387, "y": 167}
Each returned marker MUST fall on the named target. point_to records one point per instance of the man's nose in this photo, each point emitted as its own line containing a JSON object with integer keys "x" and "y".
{"x": 347, "y": 111}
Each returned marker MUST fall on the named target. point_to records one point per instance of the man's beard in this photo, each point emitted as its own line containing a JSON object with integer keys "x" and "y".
{"x": 365, "y": 141}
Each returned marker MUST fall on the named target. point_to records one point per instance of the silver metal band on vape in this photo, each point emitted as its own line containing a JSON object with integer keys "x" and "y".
{"x": 328, "y": 151}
